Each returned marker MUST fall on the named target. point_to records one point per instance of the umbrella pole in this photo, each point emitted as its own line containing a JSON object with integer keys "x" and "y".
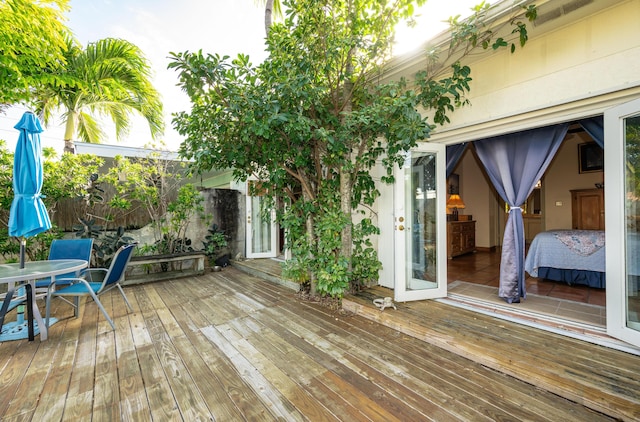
{"x": 20, "y": 310}
{"x": 23, "y": 246}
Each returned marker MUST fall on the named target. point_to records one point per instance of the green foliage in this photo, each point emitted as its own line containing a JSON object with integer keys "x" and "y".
{"x": 108, "y": 78}
{"x": 38, "y": 246}
{"x": 154, "y": 183}
{"x": 188, "y": 203}
{"x": 311, "y": 122}
{"x": 214, "y": 242}
{"x": 65, "y": 178}
{"x": 170, "y": 244}
{"x": 78, "y": 177}
{"x": 72, "y": 176}
{"x": 106, "y": 246}
{"x": 366, "y": 266}
{"x": 88, "y": 228}
{"x": 32, "y": 42}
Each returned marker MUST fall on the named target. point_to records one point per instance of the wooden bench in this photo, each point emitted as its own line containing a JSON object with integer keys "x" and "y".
{"x": 142, "y": 269}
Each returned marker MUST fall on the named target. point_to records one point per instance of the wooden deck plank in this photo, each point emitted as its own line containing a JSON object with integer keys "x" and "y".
{"x": 106, "y": 387}
{"x": 225, "y": 346}
{"x": 192, "y": 343}
{"x": 78, "y": 405}
{"x": 427, "y": 363}
{"x": 162, "y": 402}
{"x": 234, "y": 395}
{"x": 284, "y": 368}
{"x": 26, "y": 396}
{"x": 56, "y": 383}
{"x": 45, "y": 387}
{"x": 134, "y": 405}
{"x": 17, "y": 361}
{"x": 298, "y": 345}
{"x": 307, "y": 318}
{"x": 275, "y": 402}
{"x": 139, "y": 332}
{"x": 340, "y": 359}
{"x": 507, "y": 356}
{"x": 188, "y": 397}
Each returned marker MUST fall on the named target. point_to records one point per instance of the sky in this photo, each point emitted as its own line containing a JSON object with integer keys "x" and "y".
{"x": 226, "y": 27}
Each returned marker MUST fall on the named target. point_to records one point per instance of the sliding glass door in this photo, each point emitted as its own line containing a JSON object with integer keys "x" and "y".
{"x": 622, "y": 201}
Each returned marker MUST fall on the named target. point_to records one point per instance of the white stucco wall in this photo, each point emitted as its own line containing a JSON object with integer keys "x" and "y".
{"x": 576, "y": 70}
{"x": 573, "y": 71}
{"x": 573, "y": 67}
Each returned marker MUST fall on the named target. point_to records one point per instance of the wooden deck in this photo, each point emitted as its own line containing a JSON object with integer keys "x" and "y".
{"x": 228, "y": 346}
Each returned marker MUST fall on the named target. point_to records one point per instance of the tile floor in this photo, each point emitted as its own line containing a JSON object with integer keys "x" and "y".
{"x": 480, "y": 273}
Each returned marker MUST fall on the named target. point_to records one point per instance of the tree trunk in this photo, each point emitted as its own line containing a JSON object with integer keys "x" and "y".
{"x": 311, "y": 236}
{"x": 345, "y": 207}
{"x": 268, "y": 16}
{"x": 69, "y": 131}
{"x": 345, "y": 176}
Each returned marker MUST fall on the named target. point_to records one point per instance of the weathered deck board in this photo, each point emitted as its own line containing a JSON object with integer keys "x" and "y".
{"x": 227, "y": 346}
{"x": 600, "y": 378}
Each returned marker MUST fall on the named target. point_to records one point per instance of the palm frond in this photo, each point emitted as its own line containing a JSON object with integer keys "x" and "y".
{"x": 88, "y": 129}
{"x": 109, "y": 78}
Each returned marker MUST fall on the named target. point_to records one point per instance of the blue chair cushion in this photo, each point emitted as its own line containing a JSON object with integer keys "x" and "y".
{"x": 78, "y": 289}
{"x": 60, "y": 280}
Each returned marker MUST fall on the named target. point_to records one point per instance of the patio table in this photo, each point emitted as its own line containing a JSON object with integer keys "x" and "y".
{"x": 13, "y": 275}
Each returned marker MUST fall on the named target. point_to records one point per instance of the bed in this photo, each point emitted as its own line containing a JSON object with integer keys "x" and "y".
{"x": 570, "y": 256}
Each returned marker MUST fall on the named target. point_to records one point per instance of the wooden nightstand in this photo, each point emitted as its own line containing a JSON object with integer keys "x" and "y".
{"x": 461, "y": 238}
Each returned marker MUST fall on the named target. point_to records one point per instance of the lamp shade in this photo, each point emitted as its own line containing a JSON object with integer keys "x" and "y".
{"x": 455, "y": 201}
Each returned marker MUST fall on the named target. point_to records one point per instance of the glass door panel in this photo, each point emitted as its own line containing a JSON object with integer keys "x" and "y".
{"x": 420, "y": 230}
{"x": 622, "y": 213}
{"x": 632, "y": 217}
{"x": 262, "y": 232}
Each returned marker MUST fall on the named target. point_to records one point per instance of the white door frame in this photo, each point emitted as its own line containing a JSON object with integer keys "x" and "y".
{"x": 615, "y": 222}
{"x": 406, "y": 287}
{"x": 252, "y": 215}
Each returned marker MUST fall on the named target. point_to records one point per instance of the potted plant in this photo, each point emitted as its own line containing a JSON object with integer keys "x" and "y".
{"x": 215, "y": 244}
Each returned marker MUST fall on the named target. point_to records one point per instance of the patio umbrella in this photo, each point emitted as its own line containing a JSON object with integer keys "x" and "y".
{"x": 28, "y": 215}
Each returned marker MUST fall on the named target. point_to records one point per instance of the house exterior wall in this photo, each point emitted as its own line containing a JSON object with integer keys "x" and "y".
{"x": 572, "y": 67}
{"x": 575, "y": 70}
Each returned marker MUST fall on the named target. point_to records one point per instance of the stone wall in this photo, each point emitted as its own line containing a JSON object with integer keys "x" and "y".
{"x": 226, "y": 209}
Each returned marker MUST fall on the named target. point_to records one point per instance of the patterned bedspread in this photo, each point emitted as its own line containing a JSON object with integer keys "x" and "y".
{"x": 582, "y": 242}
{"x": 570, "y": 249}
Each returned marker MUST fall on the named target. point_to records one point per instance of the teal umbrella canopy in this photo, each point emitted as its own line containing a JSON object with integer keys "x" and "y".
{"x": 28, "y": 215}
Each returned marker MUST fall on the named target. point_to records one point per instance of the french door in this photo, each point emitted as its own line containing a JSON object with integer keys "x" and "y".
{"x": 261, "y": 226}
{"x": 420, "y": 225}
{"x": 622, "y": 204}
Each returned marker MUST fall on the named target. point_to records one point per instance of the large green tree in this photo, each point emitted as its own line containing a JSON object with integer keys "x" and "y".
{"x": 109, "y": 78}
{"x": 313, "y": 119}
{"x": 32, "y": 46}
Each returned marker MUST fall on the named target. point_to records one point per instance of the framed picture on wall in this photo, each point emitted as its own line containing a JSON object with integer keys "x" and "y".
{"x": 590, "y": 157}
{"x": 454, "y": 184}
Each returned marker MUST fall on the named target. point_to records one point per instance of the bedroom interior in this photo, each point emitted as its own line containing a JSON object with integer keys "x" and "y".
{"x": 570, "y": 196}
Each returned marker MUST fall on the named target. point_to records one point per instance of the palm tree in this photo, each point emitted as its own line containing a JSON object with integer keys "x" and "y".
{"x": 271, "y": 8}
{"x": 111, "y": 78}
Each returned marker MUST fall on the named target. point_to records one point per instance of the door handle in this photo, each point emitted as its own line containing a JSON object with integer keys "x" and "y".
{"x": 400, "y": 227}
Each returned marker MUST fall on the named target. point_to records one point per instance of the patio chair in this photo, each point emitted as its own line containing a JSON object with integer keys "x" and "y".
{"x": 66, "y": 249}
{"x": 81, "y": 287}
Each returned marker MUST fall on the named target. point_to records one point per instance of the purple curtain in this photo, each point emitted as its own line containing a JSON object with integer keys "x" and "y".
{"x": 514, "y": 163}
{"x": 595, "y": 128}
{"x": 454, "y": 153}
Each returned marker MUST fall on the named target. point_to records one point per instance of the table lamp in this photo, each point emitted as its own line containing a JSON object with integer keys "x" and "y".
{"x": 455, "y": 202}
